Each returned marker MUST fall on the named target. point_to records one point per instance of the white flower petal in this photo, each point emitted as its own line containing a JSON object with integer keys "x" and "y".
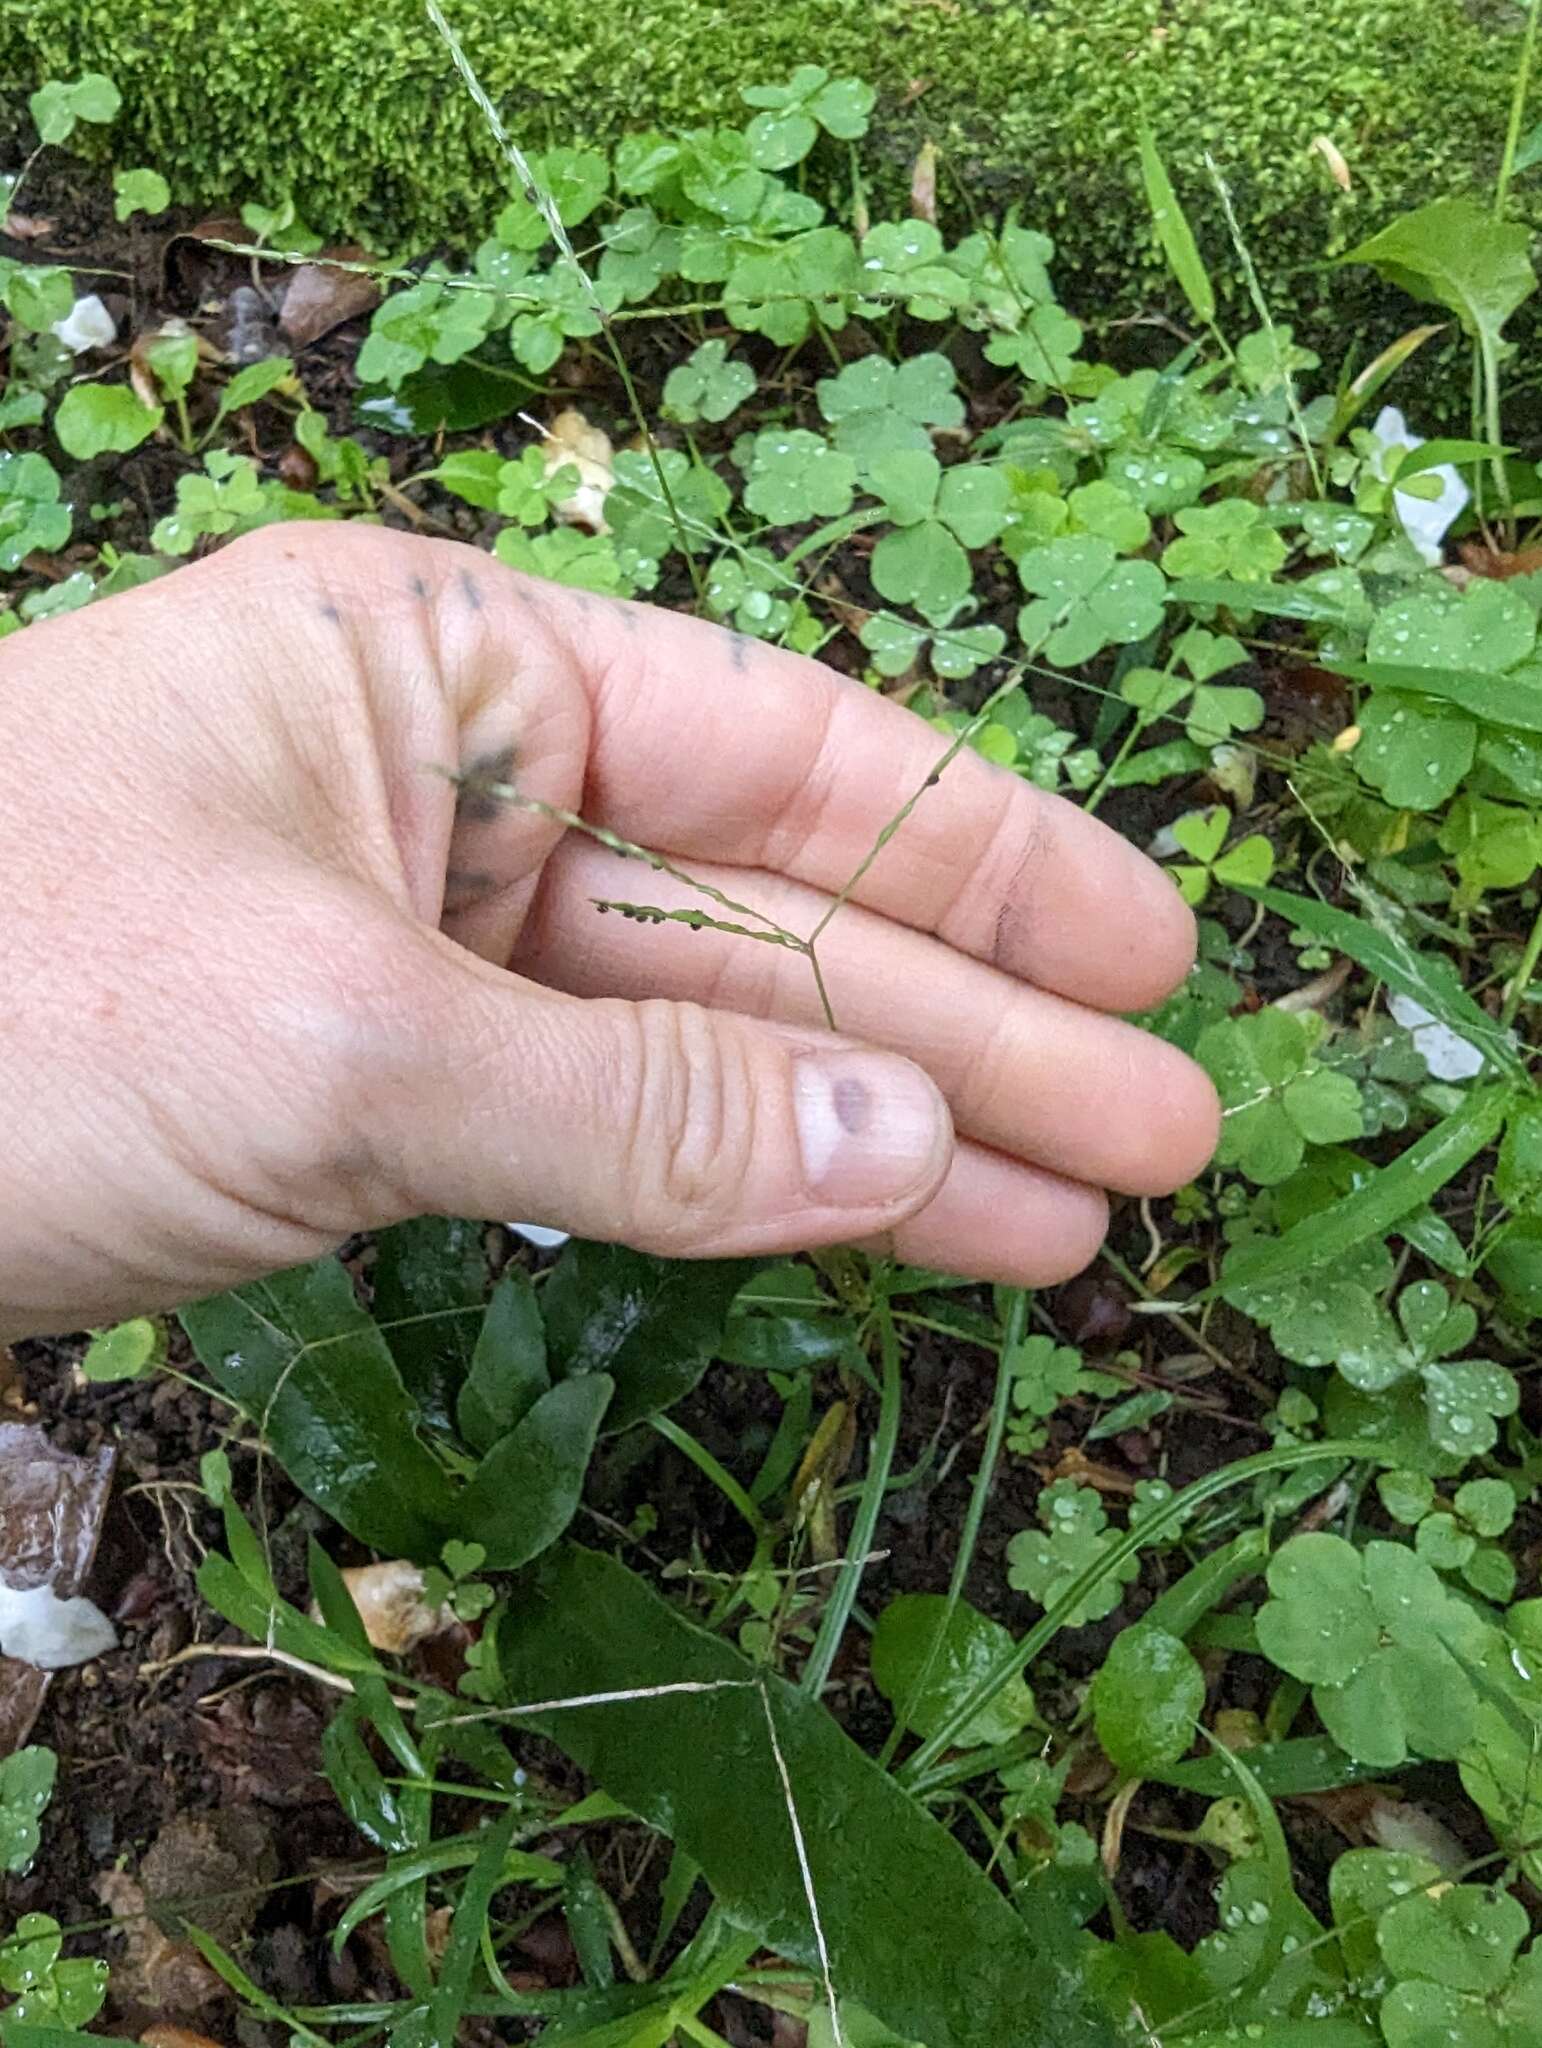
{"x": 540, "y": 1235}
{"x": 38, "y": 1628}
{"x": 87, "y": 325}
{"x": 1448, "y": 1057}
{"x": 1426, "y": 521}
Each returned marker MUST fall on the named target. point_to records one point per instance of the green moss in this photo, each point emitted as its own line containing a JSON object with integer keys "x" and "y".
{"x": 353, "y": 106}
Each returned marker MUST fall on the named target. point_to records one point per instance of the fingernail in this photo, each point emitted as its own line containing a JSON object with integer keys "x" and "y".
{"x": 871, "y": 1129}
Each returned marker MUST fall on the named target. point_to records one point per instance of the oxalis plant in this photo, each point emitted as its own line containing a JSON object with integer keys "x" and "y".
{"x": 1201, "y": 596}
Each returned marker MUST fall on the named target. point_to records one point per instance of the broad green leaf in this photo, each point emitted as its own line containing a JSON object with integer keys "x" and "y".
{"x": 895, "y": 1890}
{"x": 1173, "y": 230}
{"x": 141, "y": 191}
{"x": 1374, "y": 1208}
{"x": 314, "y": 1375}
{"x": 1414, "y": 752}
{"x": 1466, "y": 1938}
{"x": 1086, "y": 599}
{"x": 95, "y": 419}
{"x": 26, "y": 1786}
{"x": 430, "y": 1283}
{"x": 127, "y": 1351}
{"x": 249, "y": 386}
{"x": 508, "y": 1365}
{"x": 526, "y": 1489}
{"x": 910, "y": 1640}
{"x": 652, "y": 1324}
{"x": 1362, "y": 1885}
{"x": 1453, "y": 253}
{"x": 1513, "y": 702}
{"x": 921, "y": 565}
{"x": 1147, "y": 1699}
{"x": 708, "y": 385}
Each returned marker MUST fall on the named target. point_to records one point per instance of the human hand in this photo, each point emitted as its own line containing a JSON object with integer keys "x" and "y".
{"x": 268, "y": 982}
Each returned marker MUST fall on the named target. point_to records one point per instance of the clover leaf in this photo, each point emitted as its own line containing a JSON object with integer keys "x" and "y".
{"x": 26, "y": 1786}
{"x": 904, "y": 260}
{"x": 584, "y": 561}
{"x": 780, "y": 292}
{"x": 956, "y": 651}
{"x": 708, "y": 385}
{"x": 1043, "y": 1374}
{"x": 748, "y": 589}
{"x": 57, "y": 106}
{"x": 1373, "y": 1632}
{"x": 574, "y": 181}
{"x": 1454, "y": 1952}
{"x": 1276, "y": 1098}
{"x": 429, "y": 321}
{"x": 1488, "y": 626}
{"x": 1160, "y": 478}
{"x": 793, "y": 114}
{"x": 937, "y": 514}
{"x": 795, "y": 475}
{"x": 1075, "y": 1534}
{"x": 1415, "y": 751}
{"x": 51, "y": 1991}
{"x": 140, "y": 191}
{"x": 1231, "y": 539}
{"x": 566, "y": 307}
{"x": 1086, "y": 598}
{"x": 1203, "y": 833}
{"x": 31, "y": 514}
{"x": 639, "y": 253}
{"x": 1315, "y": 1318}
{"x": 877, "y": 407}
{"x": 1043, "y": 348}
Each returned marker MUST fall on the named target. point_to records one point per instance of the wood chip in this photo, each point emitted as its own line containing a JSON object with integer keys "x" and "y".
{"x": 320, "y": 296}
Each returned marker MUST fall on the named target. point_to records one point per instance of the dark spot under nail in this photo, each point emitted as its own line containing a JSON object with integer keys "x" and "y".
{"x": 468, "y": 583}
{"x": 853, "y": 1105}
{"x": 478, "y": 803}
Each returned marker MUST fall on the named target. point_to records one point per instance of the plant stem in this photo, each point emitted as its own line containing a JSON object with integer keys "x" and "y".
{"x": 1517, "y": 111}
{"x": 705, "y": 1463}
{"x": 886, "y": 1437}
{"x": 1515, "y": 994}
{"x": 1012, "y": 1335}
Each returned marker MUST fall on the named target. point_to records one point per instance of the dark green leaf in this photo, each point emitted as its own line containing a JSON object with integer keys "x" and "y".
{"x": 924, "y": 1670}
{"x": 508, "y": 1365}
{"x": 896, "y": 1893}
{"x": 448, "y": 398}
{"x": 526, "y": 1489}
{"x": 430, "y": 1284}
{"x": 1147, "y": 1699}
{"x": 370, "y": 1803}
{"x": 652, "y": 1324}
{"x": 315, "y": 1376}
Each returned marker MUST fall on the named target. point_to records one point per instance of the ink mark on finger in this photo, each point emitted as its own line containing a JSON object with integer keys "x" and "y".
{"x": 739, "y": 651}
{"x": 468, "y": 583}
{"x": 478, "y": 802}
{"x": 464, "y": 888}
{"x": 330, "y": 613}
{"x": 419, "y": 587}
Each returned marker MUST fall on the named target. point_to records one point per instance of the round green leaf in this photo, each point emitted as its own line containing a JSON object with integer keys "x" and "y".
{"x": 905, "y": 1644}
{"x": 1465, "y": 1937}
{"x": 1318, "y": 1625}
{"x": 921, "y": 565}
{"x": 98, "y": 419}
{"x": 126, "y": 1352}
{"x": 1147, "y": 1698}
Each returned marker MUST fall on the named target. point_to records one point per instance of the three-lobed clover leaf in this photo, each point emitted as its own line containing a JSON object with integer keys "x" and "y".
{"x": 430, "y": 321}
{"x": 796, "y": 474}
{"x": 1202, "y": 835}
{"x": 573, "y": 181}
{"x": 904, "y": 260}
{"x": 957, "y": 651}
{"x": 566, "y": 306}
{"x": 937, "y": 515}
{"x": 749, "y": 588}
{"x": 1414, "y": 751}
{"x": 1043, "y": 1374}
{"x": 1454, "y": 1951}
{"x": 51, "y": 1990}
{"x": 1380, "y": 1641}
{"x": 583, "y": 561}
{"x": 781, "y": 291}
{"x": 1317, "y": 1317}
{"x": 791, "y": 115}
{"x": 877, "y": 407}
{"x": 1044, "y": 1562}
{"x": 645, "y": 523}
{"x": 639, "y": 253}
{"x": 708, "y": 385}
{"x": 1231, "y": 538}
{"x": 1276, "y": 1098}
{"x": 1085, "y": 599}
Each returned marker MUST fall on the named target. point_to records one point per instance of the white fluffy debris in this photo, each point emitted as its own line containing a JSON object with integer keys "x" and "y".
{"x": 389, "y": 1597}
{"x": 1448, "y": 1057}
{"x": 571, "y": 442}
{"x": 87, "y": 325}
{"x": 38, "y": 1628}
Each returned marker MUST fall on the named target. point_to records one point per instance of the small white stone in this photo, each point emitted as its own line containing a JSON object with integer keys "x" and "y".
{"x": 87, "y": 325}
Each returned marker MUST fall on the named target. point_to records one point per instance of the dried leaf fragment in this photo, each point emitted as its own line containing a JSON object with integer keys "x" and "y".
{"x": 571, "y": 441}
{"x": 389, "y": 1597}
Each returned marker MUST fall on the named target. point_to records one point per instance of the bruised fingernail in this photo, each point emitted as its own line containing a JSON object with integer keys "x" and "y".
{"x": 871, "y": 1129}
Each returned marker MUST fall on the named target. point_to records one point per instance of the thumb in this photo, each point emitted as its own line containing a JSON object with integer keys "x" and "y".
{"x": 677, "y": 1129}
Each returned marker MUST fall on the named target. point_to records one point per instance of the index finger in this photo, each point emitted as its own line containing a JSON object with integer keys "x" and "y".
{"x": 712, "y": 746}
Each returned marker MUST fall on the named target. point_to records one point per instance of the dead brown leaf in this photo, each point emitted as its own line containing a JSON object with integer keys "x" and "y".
{"x": 320, "y": 296}
{"x": 174, "y": 2037}
{"x": 1333, "y": 157}
{"x": 155, "y": 1973}
{"x": 28, "y": 227}
{"x": 51, "y": 1507}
